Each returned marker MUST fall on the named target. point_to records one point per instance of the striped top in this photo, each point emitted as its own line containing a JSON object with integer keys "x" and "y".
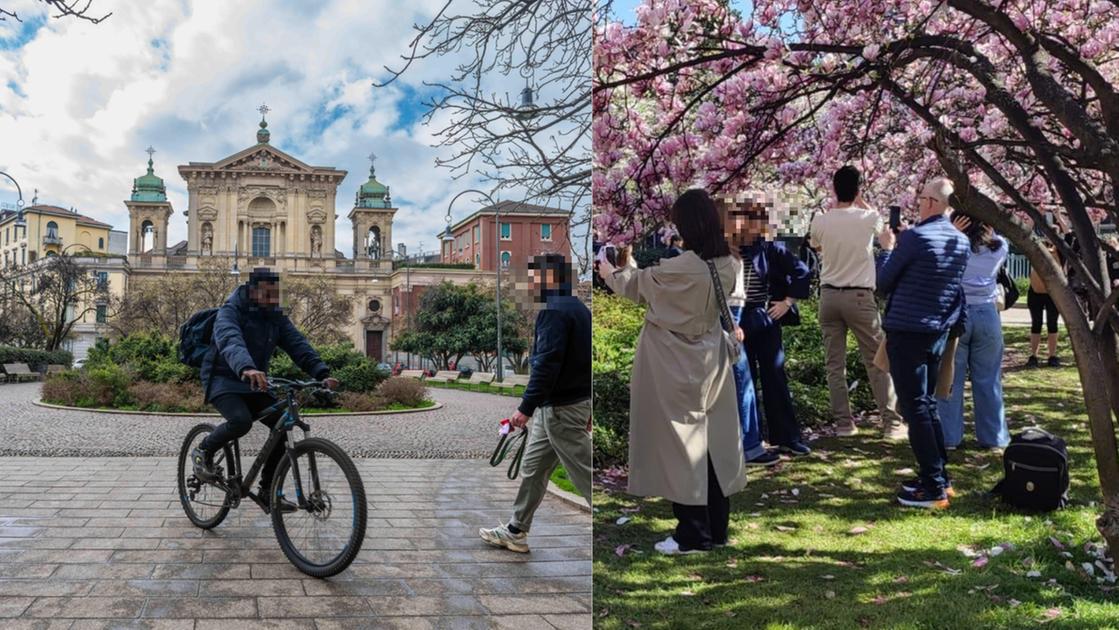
{"x": 749, "y": 287}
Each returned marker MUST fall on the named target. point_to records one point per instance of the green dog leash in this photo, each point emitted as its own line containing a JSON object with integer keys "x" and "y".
{"x": 502, "y": 450}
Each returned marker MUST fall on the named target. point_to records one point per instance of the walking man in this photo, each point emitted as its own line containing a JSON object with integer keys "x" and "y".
{"x": 844, "y": 236}
{"x": 557, "y": 399}
{"x": 926, "y": 299}
{"x": 248, "y": 329}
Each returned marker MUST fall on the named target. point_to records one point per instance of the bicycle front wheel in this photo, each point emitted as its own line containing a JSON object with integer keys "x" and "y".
{"x": 324, "y": 535}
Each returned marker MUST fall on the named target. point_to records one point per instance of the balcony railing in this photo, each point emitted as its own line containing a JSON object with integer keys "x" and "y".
{"x": 52, "y": 239}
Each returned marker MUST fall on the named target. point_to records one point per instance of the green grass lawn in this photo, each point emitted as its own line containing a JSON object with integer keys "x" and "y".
{"x": 820, "y": 542}
{"x": 514, "y": 392}
{"x": 559, "y": 477}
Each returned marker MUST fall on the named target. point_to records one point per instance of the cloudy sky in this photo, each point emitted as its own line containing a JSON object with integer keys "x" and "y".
{"x": 79, "y": 102}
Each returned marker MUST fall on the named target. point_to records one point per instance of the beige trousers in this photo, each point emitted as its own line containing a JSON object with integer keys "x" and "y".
{"x": 857, "y": 311}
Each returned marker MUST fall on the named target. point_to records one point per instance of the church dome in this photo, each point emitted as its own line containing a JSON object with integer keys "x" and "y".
{"x": 373, "y": 194}
{"x": 149, "y": 186}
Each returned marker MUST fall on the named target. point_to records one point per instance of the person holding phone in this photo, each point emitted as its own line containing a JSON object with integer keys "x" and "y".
{"x": 844, "y": 236}
{"x": 685, "y": 441}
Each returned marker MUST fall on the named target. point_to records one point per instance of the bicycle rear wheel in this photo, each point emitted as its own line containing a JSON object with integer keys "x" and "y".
{"x": 205, "y": 504}
{"x": 325, "y": 534}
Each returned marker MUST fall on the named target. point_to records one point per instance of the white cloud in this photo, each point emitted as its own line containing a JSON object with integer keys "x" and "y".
{"x": 80, "y": 102}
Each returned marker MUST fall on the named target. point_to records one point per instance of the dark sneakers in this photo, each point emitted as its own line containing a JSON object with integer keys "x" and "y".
{"x": 915, "y": 483}
{"x": 1054, "y": 362}
{"x": 768, "y": 458}
{"x": 919, "y": 497}
{"x": 203, "y": 465}
{"x": 1032, "y": 361}
{"x": 796, "y": 449}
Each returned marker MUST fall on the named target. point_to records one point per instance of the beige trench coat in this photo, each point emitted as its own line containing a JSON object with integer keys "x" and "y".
{"x": 682, "y": 396}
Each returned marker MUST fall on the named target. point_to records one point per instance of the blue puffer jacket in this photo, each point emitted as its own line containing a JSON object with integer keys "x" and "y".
{"x": 245, "y": 336}
{"x": 922, "y": 277}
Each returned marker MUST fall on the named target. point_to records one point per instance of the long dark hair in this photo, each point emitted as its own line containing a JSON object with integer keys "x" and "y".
{"x": 977, "y": 234}
{"x": 698, "y": 222}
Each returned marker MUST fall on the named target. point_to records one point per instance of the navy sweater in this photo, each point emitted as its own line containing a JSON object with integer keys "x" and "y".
{"x": 922, "y": 277}
{"x": 561, "y": 358}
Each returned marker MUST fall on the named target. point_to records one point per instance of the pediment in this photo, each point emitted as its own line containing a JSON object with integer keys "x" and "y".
{"x": 262, "y": 157}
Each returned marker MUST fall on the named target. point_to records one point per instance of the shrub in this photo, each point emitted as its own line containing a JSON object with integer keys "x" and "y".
{"x": 364, "y": 376}
{"x": 61, "y": 388}
{"x": 168, "y": 397}
{"x": 357, "y": 401}
{"x": 405, "y": 391}
{"x": 37, "y": 360}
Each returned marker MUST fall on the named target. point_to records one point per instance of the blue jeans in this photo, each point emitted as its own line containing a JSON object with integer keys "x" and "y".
{"x": 747, "y": 402}
{"x": 980, "y": 354}
{"x": 914, "y": 363}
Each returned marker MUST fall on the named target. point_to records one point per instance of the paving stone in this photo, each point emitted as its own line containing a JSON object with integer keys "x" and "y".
{"x": 87, "y": 607}
{"x": 105, "y": 543}
{"x": 200, "y": 607}
{"x": 314, "y": 607}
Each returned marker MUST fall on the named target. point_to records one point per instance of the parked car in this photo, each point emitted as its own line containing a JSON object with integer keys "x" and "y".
{"x": 79, "y": 363}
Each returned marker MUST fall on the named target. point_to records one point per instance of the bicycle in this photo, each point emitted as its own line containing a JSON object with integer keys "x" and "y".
{"x": 306, "y": 532}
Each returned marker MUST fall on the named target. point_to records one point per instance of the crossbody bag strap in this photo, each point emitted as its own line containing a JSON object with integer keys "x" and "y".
{"x": 724, "y": 310}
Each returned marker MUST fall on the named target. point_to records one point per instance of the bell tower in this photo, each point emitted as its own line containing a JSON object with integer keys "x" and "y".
{"x": 372, "y": 220}
{"x": 149, "y": 213}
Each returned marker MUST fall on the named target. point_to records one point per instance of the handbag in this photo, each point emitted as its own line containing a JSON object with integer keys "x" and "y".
{"x": 734, "y": 347}
{"x": 1010, "y": 292}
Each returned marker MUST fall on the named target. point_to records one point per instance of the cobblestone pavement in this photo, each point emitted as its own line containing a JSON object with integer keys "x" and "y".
{"x": 102, "y": 542}
{"x": 466, "y": 426}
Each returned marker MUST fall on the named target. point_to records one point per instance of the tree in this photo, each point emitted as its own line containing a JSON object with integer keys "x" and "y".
{"x": 54, "y": 294}
{"x": 542, "y": 149}
{"x": 483, "y": 329}
{"x": 318, "y": 309}
{"x": 75, "y": 9}
{"x": 163, "y": 305}
{"x": 1014, "y": 101}
{"x": 453, "y": 321}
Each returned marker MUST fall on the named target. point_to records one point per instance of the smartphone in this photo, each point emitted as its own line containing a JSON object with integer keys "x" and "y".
{"x": 608, "y": 253}
{"x": 895, "y": 218}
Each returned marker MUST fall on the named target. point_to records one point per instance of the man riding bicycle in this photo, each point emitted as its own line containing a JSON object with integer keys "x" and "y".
{"x": 247, "y": 330}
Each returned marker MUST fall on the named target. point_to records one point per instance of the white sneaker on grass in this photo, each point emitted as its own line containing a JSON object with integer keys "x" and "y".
{"x": 500, "y": 536}
{"x": 670, "y": 547}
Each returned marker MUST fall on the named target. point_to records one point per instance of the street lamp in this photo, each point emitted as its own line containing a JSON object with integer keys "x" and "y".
{"x": 497, "y": 259}
{"x": 408, "y": 286}
{"x": 20, "y": 221}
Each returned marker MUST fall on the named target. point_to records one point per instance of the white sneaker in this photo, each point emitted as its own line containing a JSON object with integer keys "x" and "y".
{"x": 670, "y": 547}
{"x": 896, "y": 432}
{"x": 846, "y": 429}
{"x": 500, "y": 536}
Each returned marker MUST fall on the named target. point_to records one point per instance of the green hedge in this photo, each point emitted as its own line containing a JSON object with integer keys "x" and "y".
{"x": 37, "y": 360}
{"x": 617, "y": 323}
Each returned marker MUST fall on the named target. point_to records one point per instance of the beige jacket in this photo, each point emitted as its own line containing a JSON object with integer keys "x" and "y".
{"x": 682, "y": 397}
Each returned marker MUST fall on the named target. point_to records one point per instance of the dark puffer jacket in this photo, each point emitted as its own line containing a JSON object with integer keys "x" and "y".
{"x": 245, "y": 336}
{"x": 922, "y": 277}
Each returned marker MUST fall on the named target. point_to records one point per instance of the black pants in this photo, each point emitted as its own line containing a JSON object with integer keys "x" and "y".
{"x": 701, "y": 526}
{"x": 239, "y": 411}
{"x": 766, "y": 353}
{"x": 1038, "y": 303}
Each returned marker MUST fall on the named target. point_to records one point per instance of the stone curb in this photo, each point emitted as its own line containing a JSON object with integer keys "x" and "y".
{"x": 569, "y": 498}
{"x": 128, "y": 412}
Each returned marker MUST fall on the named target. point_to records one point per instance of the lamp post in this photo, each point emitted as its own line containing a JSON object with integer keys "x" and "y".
{"x": 408, "y": 286}
{"x": 448, "y": 237}
{"x": 20, "y": 221}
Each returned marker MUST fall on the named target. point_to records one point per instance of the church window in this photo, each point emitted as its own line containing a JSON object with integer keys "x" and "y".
{"x": 506, "y": 257}
{"x": 262, "y": 241}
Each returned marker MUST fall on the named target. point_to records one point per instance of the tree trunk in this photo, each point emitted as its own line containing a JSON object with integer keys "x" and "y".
{"x": 1097, "y": 381}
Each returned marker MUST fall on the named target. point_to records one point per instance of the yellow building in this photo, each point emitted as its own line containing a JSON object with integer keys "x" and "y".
{"x": 51, "y": 230}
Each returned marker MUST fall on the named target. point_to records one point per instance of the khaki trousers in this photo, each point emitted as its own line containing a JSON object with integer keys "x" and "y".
{"x": 557, "y": 435}
{"x": 855, "y": 310}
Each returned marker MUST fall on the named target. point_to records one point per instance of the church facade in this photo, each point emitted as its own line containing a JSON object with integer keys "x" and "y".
{"x": 264, "y": 208}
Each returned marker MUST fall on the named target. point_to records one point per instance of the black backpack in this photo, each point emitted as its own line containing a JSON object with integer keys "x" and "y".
{"x": 195, "y": 335}
{"x": 1010, "y": 290}
{"x": 1035, "y": 465}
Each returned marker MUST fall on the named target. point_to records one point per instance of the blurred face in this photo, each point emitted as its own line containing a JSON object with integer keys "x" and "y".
{"x": 746, "y": 221}
{"x": 266, "y": 294}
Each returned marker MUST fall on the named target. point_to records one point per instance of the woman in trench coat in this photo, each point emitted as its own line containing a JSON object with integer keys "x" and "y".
{"x": 685, "y": 441}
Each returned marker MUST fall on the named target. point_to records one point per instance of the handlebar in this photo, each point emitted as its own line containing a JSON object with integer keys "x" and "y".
{"x": 277, "y": 382}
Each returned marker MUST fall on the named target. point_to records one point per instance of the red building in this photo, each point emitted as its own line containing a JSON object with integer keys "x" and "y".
{"x": 526, "y": 230}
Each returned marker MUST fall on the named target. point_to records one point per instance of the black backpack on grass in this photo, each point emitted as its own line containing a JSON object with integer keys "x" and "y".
{"x": 195, "y": 335}
{"x": 1035, "y": 466}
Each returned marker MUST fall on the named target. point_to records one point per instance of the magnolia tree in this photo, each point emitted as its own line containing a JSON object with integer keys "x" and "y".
{"x": 1015, "y": 101}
